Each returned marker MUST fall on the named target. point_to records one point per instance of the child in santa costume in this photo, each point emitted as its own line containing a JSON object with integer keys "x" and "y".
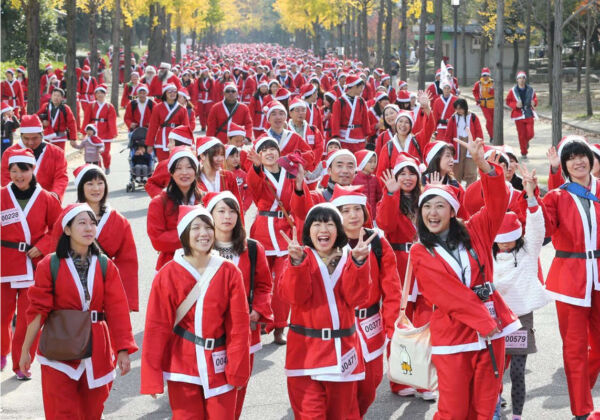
{"x": 92, "y": 145}
{"x": 454, "y": 270}
{"x": 249, "y": 256}
{"x": 572, "y": 217}
{"x": 196, "y": 334}
{"x": 324, "y": 282}
{"x": 28, "y": 214}
{"x": 366, "y": 161}
{"x": 523, "y": 101}
{"x": 375, "y": 318}
{"x": 309, "y": 133}
{"x": 232, "y": 164}
{"x": 103, "y": 114}
{"x": 79, "y": 388}
{"x": 163, "y": 209}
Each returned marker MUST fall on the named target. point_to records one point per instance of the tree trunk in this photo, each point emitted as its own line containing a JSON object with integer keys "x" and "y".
{"x": 347, "y": 34}
{"x": 93, "y": 38}
{"x": 178, "y": 44}
{"x": 387, "y": 45}
{"x": 155, "y": 42}
{"x": 550, "y": 41}
{"x": 483, "y": 50}
{"x": 167, "y": 34}
{"x": 527, "y": 36}
{"x": 116, "y": 22}
{"x": 317, "y": 37}
{"x": 463, "y": 46}
{"x": 381, "y": 61}
{"x": 557, "y": 74}
{"x": 422, "y": 27}
{"x": 365, "y": 38}
{"x": 356, "y": 39}
{"x": 194, "y": 40}
{"x": 589, "y": 32}
{"x": 340, "y": 33}
{"x": 127, "y": 51}
{"x": 439, "y": 22}
{"x": 498, "y": 81}
{"x": 515, "y": 66}
{"x": 33, "y": 55}
{"x": 580, "y": 38}
{"x": 403, "y": 41}
{"x": 71, "y": 9}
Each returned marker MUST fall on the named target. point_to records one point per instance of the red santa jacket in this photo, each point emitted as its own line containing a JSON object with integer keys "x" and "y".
{"x": 204, "y": 90}
{"x": 471, "y": 122}
{"x": 105, "y": 118}
{"x": 24, "y": 88}
{"x": 325, "y": 82}
{"x": 155, "y": 86}
{"x": 224, "y": 181}
{"x": 434, "y": 91}
{"x": 349, "y": 120}
{"x": 291, "y": 142}
{"x": 31, "y": 226}
{"x": 460, "y": 318}
{"x": 138, "y": 113}
{"x": 164, "y": 118}
{"x": 191, "y": 117}
{"x": 218, "y": 120}
{"x": 247, "y": 200}
{"x": 314, "y": 116}
{"x": 12, "y": 94}
{"x": 129, "y": 93}
{"x": 86, "y": 88}
{"x": 259, "y": 118}
{"x": 161, "y": 224}
{"x": 50, "y": 169}
{"x": 442, "y": 110}
{"x": 299, "y": 81}
{"x": 313, "y": 137}
{"x": 567, "y": 224}
{"x": 107, "y": 296}
{"x": 322, "y": 301}
{"x": 473, "y": 200}
{"x": 522, "y": 113}
{"x": 221, "y": 310}
{"x": 62, "y": 121}
{"x": 372, "y": 189}
{"x": 159, "y": 180}
{"x": 246, "y": 87}
{"x": 382, "y": 139}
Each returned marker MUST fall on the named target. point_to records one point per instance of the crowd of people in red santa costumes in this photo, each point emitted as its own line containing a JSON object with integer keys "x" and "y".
{"x": 296, "y": 195}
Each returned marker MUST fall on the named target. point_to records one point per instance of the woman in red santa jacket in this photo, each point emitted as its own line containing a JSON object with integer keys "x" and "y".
{"x": 572, "y": 219}
{"x": 390, "y": 112}
{"x": 232, "y": 244}
{"x": 77, "y": 389}
{"x": 324, "y": 282}
{"x": 257, "y": 102}
{"x": 454, "y": 270}
{"x": 92, "y": 188}
{"x": 196, "y": 334}
{"x": 103, "y": 114}
{"x": 376, "y": 317}
{"x": 164, "y": 208}
{"x": 28, "y": 214}
{"x": 272, "y": 188}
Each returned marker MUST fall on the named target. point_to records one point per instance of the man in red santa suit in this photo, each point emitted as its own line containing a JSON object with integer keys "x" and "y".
{"x": 297, "y": 77}
{"x": 349, "y": 116}
{"x": 50, "y": 163}
{"x": 45, "y": 78}
{"x": 309, "y": 133}
{"x": 130, "y": 89}
{"x": 246, "y": 85}
{"x": 443, "y": 109}
{"x": 12, "y": 93}
{"x": 164, "y": 76}
{"x": 103, "y": 114}
{"x": 434, "y": 89}
{"x": 309, "y": 94}
{"x": 205, "y": 86}
{"x": 139, "y": 110}
{"x": 523, "y": 101}
{"x": 226, "y": 111}
{"x": 85, "y": 90}
{"x": 58, "y": 118}
{"x": 324, "y": 79}
{"x": 284, "y": 78}
{"x": 165, "y": 117}
{"x": 156, "y": 88}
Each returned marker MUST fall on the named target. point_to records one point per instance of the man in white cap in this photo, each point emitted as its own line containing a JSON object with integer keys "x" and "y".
{"x": 226, "y": 111}
{"x": 443, "y": 108}
{"x": 523, "y": 101}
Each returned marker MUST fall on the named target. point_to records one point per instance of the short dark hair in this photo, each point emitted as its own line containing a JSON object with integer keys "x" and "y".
{"x": 25, "y": 167}
{"x": 185, "y": 235}
{"x": 409, "y": 204}
{"x": 64, "y": 243}
{"x": 520, "y": 243}
{"x": 238, "y": 235}
{"x": 267, "y": 144}
{"x": 324, "y": 214}
{"x": 90, "y": 175}
{"x": 458, "y": 233}
{"x": 575, "y": 148}
{"x": 364, "y": 209}
{"x": 462, "y": 103}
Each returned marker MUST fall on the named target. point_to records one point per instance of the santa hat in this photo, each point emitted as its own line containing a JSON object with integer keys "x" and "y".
{"x": 235, "y": 130}
{"x": 168, "y": 86}
{"x": 393, "y": 106}
{"x": 433, "y": 148}
{"x": 282, "y": 93}
{"x": 71, "y": 211}
{"x": 331, "y": 95}
{"x": 229, "y": 149}
{"x": 330, "y": 142}
{"x": 378, "y": 71}
{"x": 307, "y": 90}
{"x": 511, "y": 228}
{"x": 403, "y": 161}
{"x": 164, "y": 65}
{"x": 363, "y": 157}
{"x": 150, "y": 69}
{"x": 297, "y": 103}
{"x": 22, "y": 156}
{"x": 11, "y": 71}
{"x": 184, "y": 92}
{"x": 352, "y": 81}
{"x": 401, "y": 84}
{"x": 142, "y": 87}
{"x": 572, "y": 138}
{"x": 338, "y": 153}
{"x": 264, "y": 139}
{"x": 31, "y": 124}
{"x": 93, "y": 127}
{"x": 21, "y": 69}
{"x": 325, "y": 206}
{"x": 447, "y": 192}
{"x": 5, "y": 108}
{"x": 351, "y": 194}
{"x": 438, "y": 72}
{"x": 183, "y": 134}
{"x": 406, "y": 114}
{"x": 596, "y": 149}
{"x": 489, "y": 150}
{"x": 403, "y": 96}
{"x": 385, "y": 77}
{"x": 449, "y": 67}
{"x": 211, "y": 199}
{"x": 272, "y": 106}
{"x": 179, "y": 152}
{"x": 510, "y": 152}
{"x": 48, "y": 67}
{"x": 262, "y": 83}
{"x": 381, "y": 95}
{"x": 273, "y": 81}
{"x": 187, "y": 214}
{"x": 101, "y": 88}
{"x": 521, "y": 74}
{"x": 230, "y": 85}
{"x": 485, "y": 72}
{"x": 205, "y": 143}
{"x": 134, "y": 73}
{"x": 85, "y": 69}
{"x": 79, "y": 172}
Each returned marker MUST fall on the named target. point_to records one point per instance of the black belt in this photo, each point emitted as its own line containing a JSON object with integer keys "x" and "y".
{"x": 277, "y": 214}
{"x": 21, "y": 246}
{"x": 97, "y": 316}
{"x": 172, "y": 125}
{"x": 207, "y": 343}
{"x": 401, "y": 247}
{"x": 323, "y": 333}
{"x": 589, "y": 255}
{"x": 443, "y": 122}
{"x": 351, "y": 126}
{"x": 60, "y": 133}
{"x": 100, "y": 119}
{"x": 363, "y": 313}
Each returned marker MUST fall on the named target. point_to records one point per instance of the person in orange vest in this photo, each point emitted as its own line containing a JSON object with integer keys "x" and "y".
{"x": 483, "y": 92}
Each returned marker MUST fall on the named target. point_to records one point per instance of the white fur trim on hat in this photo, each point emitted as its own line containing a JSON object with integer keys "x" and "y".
{"x": 91, "y": 127}
{"x": 509, "y": 236}
{"x": 71, "y": 214}
{"x": 274, "y": 107}
{"x": 404, "y": 164}
{"x": 442, "y": 193}
{"x": 164, "y": 65}
{"x": 298, "y": 104}
{"x": 211, "y": 143}
{"x": 30, "y": 130}
{"x": 180, "y": 154}
{"x": 85, "y": 170}
{"x": 182, "y": 139}
{"x": 350, "y": 199}
{"x": 144, "y": 88}
{"x": 21, "y": 159}
{"x": 236, "y": 133}
{"x": 100, "y": 89}
{"x": 222, "y": 195}
{"x": 260, "y": 142}
{"x": 366, "y": 159}
{"x": 337, "y": 154}
{"x": 188, "y": 218}
{"x": 434, "y": 151}
{"x": 229, "y": 150}
{"x": 571, "y": 139}
{"x": 325, "y": 206}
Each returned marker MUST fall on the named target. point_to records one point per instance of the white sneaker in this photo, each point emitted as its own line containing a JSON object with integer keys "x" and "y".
{"x": 427, "y": 395}
{"x": 407, "y": 392}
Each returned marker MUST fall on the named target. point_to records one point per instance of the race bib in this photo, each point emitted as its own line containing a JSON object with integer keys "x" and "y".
{"x": 349, "y": 362}
{"x": 490, "y": 306}
{"x": 372, "y": 326}
{"x": 310, "y": 139}
{"x": 219, "y": 361}
{"x": 9, "y": 216}
{"x": 516, "y": 340}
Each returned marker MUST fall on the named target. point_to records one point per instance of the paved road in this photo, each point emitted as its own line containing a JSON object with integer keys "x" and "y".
{"x": 267, "y": 395}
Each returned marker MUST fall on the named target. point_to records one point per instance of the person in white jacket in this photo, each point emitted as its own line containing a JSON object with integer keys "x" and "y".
{"x": 516, "y": 278}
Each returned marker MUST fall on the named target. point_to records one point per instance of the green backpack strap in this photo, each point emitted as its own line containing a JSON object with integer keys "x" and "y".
{"x": 103, "y": 260}
{"x": 54, "y": 264}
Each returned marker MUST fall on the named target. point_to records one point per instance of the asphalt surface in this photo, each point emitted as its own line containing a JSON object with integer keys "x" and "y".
{"x": 547, "y": 396}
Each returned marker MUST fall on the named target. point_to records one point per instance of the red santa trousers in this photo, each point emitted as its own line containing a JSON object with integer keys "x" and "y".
{"x": 188, "y": 403}
{"x": 367, "y": 388}
{"x": 281, "y": 309}
{"x": 161, "y": 154}
{"x": 241, "y": 393}
{"x": 202, "y": 110}
{"x": 312, "y": 400}
{"x": 353, "y": 147}
{"x": 580, "y": 332}
{"x": 15, "y": 299}
{"x": 525, "y": 132}
{"x": 466, "y": 383}
{"x": 106, "y": 155}
{"x": 488, "y": 113}
{"x": 65, "y": 398}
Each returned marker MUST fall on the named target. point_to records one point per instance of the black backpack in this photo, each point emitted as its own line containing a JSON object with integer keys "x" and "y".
{"x": 375, "y": 246}
{"x": 252, "y": 257}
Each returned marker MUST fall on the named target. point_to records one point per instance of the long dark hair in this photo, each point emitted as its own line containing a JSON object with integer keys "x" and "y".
{"x": 409, "y": 203}
{"x": 173, "y": 191}
{"x": 238, "y": 235}
{"x": 214, "y": 151}
{"x": 434, "y": 165}
{"x": 323, "y": 214}
{"x": 185, "y": 235}
{"x": 457, "y": 233}
{"x": 520, "y": 243}
{"x": 91, "y": 175}
{"x": 64, "y": 243}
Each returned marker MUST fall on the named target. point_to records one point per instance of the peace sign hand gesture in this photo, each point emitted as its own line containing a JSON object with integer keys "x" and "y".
{"x": 475, "y": 148}
{"x": 361, "y": 250}
{"x": 295, "y": 250}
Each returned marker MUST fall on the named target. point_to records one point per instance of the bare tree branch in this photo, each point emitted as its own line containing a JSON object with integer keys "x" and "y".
{"x": 579, "y": 11}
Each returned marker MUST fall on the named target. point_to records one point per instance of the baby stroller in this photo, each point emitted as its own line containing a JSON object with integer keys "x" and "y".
{"x": 141, "y": 163}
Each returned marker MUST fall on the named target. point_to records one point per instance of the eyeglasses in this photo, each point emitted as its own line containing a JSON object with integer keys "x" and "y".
{"x": 231, "y": 91}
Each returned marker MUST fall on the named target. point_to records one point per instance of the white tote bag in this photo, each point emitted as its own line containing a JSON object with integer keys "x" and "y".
{"x": 410, "y": 348}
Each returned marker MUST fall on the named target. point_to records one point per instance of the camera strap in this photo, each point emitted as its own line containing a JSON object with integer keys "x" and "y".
{"x": 473, "y": 254}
